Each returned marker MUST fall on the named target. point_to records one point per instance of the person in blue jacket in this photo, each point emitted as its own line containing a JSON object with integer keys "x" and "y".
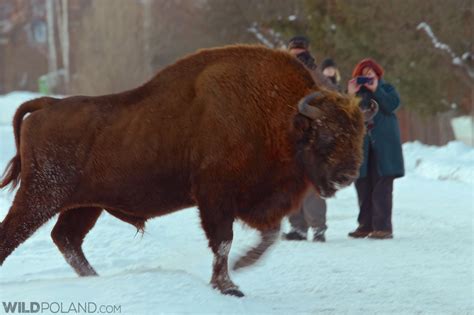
{"x": 383, "y": 158}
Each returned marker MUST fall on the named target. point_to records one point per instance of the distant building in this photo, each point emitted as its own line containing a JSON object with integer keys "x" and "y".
{"x": 24, "y": 41}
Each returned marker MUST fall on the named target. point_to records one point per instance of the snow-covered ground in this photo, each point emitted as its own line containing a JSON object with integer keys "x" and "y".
{"x": 426, "y": 269}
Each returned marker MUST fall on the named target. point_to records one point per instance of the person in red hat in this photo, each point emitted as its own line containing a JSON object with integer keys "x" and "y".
{"x": 383, "y": 158}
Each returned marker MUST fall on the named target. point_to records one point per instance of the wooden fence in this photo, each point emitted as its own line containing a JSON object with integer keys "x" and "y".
{"x": 433, "y": 130}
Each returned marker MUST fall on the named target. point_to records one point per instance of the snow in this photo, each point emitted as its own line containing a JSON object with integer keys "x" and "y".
{"x": 426, "y": 269}
{"x": 451, "y": 162}
{"x": 9, "y": 103}
{"x": 463, "y": 127}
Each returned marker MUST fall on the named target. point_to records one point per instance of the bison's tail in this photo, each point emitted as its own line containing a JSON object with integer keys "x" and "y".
{"x": 12, "y": 173}
{"x": 13, "y": 170}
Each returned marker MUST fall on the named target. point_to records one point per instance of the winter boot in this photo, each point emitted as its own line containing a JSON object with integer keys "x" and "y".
{"x": 359, "y": 233}
{"x": 318, "y": 235}
{"x": 295, "y": 235}
{"x": 381, "y": 235}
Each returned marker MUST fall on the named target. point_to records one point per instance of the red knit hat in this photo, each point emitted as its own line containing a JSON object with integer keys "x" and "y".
{"x": 370, "y": 63}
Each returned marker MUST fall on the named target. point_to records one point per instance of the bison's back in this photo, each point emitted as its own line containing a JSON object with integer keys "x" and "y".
{"x": 246, "y": 97}
{"x": 107, "y": 154}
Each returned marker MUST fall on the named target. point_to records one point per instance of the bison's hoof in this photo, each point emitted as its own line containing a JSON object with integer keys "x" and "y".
{"x": 234, "y": 292}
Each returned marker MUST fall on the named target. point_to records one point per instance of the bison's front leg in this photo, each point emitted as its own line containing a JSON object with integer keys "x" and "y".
{"x": 218, "y": 228}
{"x": 68, "y": 234}
{"x": 267, "y": 239}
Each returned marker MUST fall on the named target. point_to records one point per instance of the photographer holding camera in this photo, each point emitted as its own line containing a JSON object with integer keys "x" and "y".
{"x": 383, "y": 159}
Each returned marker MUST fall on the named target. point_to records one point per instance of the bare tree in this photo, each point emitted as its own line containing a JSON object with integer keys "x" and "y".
{"x": 63, "y": 28}
{"x": 52, "y": 54}
{"x": 110, "y": 56}
{"x": 147, "y": 35}
{"x": 456, "y": 60}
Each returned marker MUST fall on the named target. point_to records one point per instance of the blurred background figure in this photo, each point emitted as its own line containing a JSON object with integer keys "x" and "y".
{"x": 298, "y": 46}
{"x": 383, "y": 159}
{"x": 313, "y": 210}
{"x": 330, "y": 71}
{"x": 311, "y": 214}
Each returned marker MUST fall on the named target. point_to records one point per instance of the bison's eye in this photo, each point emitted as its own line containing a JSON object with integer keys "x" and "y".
{"x": 325, "y": 137}
{"x": 325, "y": 141}
{"x": 301, "y": 123}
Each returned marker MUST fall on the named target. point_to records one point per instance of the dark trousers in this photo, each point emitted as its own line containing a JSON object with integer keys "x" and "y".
{"x": 375, "y": 199}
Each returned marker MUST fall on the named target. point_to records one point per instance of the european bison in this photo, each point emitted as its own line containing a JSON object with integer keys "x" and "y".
{"x": 227, "y": 129}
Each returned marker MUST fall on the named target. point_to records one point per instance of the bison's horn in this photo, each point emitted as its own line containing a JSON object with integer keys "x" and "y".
{"x": 370, "y": 112}
{"x": 307, "y": 110}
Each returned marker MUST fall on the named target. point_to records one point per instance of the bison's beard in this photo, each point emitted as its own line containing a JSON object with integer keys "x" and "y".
{"x": 327, "y": 186}
{"x": 324, "y": 187}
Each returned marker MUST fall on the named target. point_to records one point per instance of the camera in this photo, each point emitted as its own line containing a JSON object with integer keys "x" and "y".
{"x": 364, "y": 80}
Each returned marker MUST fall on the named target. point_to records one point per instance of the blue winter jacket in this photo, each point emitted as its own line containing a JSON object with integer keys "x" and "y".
{"x": 384, "y": 137}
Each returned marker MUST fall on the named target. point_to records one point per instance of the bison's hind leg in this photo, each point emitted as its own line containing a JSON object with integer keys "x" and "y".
{"x": 33, "y": 206}
{"x": 68, "y": 234}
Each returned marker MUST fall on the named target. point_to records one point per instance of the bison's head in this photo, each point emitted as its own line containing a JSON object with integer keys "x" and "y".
{"x": 330, "y": 131}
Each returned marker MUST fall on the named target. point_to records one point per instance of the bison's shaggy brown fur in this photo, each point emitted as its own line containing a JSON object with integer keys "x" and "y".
{"x": 219, "y": 129}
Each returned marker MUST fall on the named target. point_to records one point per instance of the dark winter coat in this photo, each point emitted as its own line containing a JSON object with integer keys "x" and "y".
{"x": 384, "y": 137}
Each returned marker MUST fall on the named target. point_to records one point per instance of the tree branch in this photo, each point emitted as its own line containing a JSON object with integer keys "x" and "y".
{"x": 459, "y": 61}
